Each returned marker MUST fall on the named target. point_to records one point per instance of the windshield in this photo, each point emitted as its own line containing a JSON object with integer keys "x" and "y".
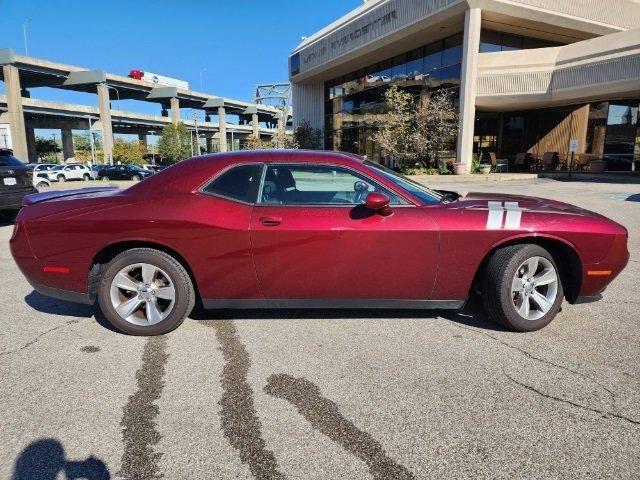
{"x": 58, "y": 167}
{"x": 423, "y": 193}
{"x": 137, "y": 168}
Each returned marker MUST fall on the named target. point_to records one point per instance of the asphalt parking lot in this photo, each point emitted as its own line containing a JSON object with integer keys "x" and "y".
{"x": 328, "y": 394}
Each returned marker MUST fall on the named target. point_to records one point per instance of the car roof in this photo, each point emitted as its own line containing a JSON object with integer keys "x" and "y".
{"x": 190, "y": 173}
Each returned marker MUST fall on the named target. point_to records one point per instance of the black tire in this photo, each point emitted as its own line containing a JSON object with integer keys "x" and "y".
{"x": 86, "y": 177}
{"x": 104, "y": 178}
{"x": 135, "y": 178}
{"x": 61, "y": 178}
{"x": 497, "y": 297}
{"x": 42, "y": 185}
{"x": 185, "y": 294}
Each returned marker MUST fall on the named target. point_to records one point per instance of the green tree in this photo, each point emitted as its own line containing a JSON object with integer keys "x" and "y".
{"x": 307, "y": 137}
{"x": 417, "y": 130}
{"x": 175, "y": 143}
{"x": 46, "y": 147}
{"x": 125, "y": 151}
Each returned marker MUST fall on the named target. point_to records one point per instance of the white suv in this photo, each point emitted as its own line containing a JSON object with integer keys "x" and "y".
{"x": 69, "y": 171}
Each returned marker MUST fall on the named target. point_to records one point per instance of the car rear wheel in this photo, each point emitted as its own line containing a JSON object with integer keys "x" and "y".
{"x": 42, "y": 184}
{"x": 104, "y": 178}
{"x": 86, "y": 177}
{"x": 61, "y": 178}
{"x": 522, "y": 288}
{"x": 135, "y": 178}
{"x": 145, "y": 292}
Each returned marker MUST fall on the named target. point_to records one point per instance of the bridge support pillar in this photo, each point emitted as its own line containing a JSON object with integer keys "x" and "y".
{"x": 15, "y": 112}
{"x": 222, "y": 125}
{"x": 67, "y": 144}
{"x": 175, "y": 110}
{"x": 105, "y": 119}
{"x": 31, "y": 144}
{"x": 142, "y": 138}
{"x": 209, "y": 139}
{"x": 470, "y": 49}
{"x": 255, "y": 124}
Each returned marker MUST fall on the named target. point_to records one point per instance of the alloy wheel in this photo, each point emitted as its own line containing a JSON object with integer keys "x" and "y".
{"x": 534, "y": 288}
{"x": 142, "y": 294}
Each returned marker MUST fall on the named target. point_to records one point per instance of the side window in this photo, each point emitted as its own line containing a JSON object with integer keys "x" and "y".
{"x": 239, "y": 183}
{"x": 318, "y": 185}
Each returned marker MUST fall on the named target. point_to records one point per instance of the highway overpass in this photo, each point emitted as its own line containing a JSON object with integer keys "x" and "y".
{"x": 22, "y": 75}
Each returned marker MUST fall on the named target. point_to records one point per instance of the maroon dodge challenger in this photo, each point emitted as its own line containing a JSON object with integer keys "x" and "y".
{"x": 308, "y": 230}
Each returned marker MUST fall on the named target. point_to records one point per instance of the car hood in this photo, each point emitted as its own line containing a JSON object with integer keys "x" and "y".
{"x": 478, "y": 200}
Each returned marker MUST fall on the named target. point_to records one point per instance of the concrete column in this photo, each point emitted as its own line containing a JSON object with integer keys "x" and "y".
{"x": 470, "y": 50}
{"x": 222, "y": 125}
{"x": 175, "y": 110}
{"x": 31, "y": 145}
{"x": 105, "y": 121}
{"x": 67, "y": 144}
{"x": 142, "y": 138}
{"x": 255, "y": 124}
{"x": 15, "y": 112}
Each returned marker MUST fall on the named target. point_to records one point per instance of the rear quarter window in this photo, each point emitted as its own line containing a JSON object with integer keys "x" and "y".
{"x": 238, "y": 183}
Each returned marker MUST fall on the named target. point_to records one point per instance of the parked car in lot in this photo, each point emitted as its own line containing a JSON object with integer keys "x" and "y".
{"x": 41, "y": 167}
{"x": 16, "y": 181}
{"x": 309, "y": 229}
{"x": 40, "y": 180}
{"x": 69, "y": 171}
{"x": 123, "y": 172}
{"x": 95, "y": 168}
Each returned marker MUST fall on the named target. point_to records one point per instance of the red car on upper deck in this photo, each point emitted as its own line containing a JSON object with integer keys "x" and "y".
{"x": 308, "y": 229}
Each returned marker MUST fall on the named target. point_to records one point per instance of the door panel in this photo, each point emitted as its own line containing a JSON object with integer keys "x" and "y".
{"x": 327, "y": 252}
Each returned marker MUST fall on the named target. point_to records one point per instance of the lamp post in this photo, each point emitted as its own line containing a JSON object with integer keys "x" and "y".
{"x": 201, "y": 72}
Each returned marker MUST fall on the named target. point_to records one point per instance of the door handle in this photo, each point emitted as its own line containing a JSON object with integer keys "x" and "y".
{"x": 271, "y": 221}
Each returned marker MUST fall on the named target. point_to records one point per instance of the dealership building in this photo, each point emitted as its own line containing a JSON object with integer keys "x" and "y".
{"x": 534, "y": 78}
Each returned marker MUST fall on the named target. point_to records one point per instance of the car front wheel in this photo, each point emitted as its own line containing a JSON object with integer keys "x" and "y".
{"x": 135, "y": 178}
{"x": 522, "y": 288}
{"x": 61, "y": 178}
{"x": 86, "y": 177}
{"x": 144, "y": 291}
{"x": 104, "y": 178}
{"x": 42, "y": 185}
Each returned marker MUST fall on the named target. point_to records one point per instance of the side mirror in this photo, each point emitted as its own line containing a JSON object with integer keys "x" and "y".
{"x": 379, "y": 203}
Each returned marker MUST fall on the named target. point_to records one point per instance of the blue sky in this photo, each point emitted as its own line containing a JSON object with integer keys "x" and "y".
{"x": 240, "y": 43}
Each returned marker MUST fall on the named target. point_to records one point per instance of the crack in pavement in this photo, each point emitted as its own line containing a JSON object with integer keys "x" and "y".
{"x": 324, "y": 416}
{"x": 547, "y": 362}
{"x": 31, "y": 342}
{"x": 240, "y": 422}
{"x": 139, "y": 460}
{"x": 569, "y": 402}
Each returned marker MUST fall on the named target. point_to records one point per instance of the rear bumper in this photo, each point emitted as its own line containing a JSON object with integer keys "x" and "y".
{"x": 67, "y": 295}
{"x": 10, "y": 200}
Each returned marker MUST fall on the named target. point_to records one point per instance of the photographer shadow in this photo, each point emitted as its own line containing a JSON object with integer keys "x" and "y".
{"x": 45, "y": 459}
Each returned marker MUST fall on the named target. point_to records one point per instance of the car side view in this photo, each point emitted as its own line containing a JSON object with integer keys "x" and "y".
{"x": 280, "y": 229}
{"x": 123, "y": 172}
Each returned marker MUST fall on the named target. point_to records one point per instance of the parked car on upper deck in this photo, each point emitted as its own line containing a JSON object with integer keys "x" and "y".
{"x": 260, "y": 229}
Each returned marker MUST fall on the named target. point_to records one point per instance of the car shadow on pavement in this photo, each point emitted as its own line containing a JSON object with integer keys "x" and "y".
{"x": 471, "y": 315}
{"x": 53, "y": 306}
{"x": 45, "y": 459}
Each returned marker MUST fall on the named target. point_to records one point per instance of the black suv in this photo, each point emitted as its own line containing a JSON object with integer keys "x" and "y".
{"x": 16, "y": 181}
{"x": 123, "y": 172}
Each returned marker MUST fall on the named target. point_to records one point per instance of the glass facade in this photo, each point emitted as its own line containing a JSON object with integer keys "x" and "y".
{"x": 612, "y": 132}
{"x": 492, "y": 41}
{"x": 355, "y": 102}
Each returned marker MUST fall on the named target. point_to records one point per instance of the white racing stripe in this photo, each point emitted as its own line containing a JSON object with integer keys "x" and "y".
{"x": 497, "y": 215}
{"x": 494, "y": 220}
